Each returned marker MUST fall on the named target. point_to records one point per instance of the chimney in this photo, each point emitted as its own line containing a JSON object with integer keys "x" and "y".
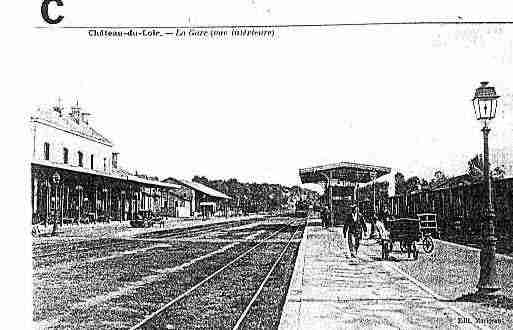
{"x": 83, "y": 117}
{"x": 58, "y": 108}
{"x": 75, "y": 114}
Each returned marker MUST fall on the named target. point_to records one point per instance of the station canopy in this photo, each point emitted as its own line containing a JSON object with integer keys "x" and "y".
{"x": 344, "y": 172}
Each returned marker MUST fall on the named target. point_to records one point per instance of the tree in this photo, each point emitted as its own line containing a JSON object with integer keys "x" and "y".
{"x": 255, "y": 197}
{"x": 412, "y": 184}
{"x": 438, "y": 178}
{"x": 475, "y": 166}
{"x": 400, "y": 187}
{"x": 498, "y": 172}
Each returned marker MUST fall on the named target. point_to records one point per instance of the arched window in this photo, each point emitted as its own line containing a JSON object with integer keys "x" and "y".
{"x": 65, "y": 155}
{"x": 47, "y": 150}
{"x": 80, "y": 159}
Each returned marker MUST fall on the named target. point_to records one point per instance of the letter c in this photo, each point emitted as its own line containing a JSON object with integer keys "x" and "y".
{"x": 44, "y": 11}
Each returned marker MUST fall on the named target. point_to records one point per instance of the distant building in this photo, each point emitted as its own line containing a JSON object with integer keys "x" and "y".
{"x": 203, "y": 200}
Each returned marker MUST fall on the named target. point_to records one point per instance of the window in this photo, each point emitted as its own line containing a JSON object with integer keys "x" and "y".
{"x": 115, "y": 159}
{"x": 105, "y": 164}
{"x": 47, "y": 150}
{"x": 80, "y": 159}
{"x": 65, "y": 155}
{"x": 92, "y": 162}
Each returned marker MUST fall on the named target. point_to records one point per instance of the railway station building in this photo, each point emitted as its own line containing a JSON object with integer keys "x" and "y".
{"x": 76, "y": 177}
{"x": 457, "y": 202}
{"x": 205, "y": 201}
{"x": 341, "y": 185}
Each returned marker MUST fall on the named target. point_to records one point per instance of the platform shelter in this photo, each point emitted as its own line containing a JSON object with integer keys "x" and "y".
{"x": 341, "y": 181}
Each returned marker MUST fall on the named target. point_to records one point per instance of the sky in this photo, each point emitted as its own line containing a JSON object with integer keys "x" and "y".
{"x": 258, "y": 110}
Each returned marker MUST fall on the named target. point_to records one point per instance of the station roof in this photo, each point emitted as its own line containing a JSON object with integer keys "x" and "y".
{"x": 199, "y": 187}
{"x": 69, "y": 123}
{"x": 343, "y": 171}
{"x": 117, "y": 174}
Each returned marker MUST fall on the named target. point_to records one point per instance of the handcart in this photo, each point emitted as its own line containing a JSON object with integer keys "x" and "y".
{"x": 407, "y": 233}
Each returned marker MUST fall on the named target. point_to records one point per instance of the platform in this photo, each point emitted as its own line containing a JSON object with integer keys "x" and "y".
{"x": 330, "y": 290}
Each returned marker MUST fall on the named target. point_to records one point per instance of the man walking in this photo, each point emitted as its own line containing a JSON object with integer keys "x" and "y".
{"x": 354, "y": 230}
{"x": 372, "y": 221}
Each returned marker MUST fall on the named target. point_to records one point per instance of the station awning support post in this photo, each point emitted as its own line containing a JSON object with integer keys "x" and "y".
{"x": 331, "y": 200}
{"x": 329, "y": 192}
{"x": 373, "y": 176}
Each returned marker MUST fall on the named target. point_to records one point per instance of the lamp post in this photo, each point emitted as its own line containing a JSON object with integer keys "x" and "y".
{"x": 56, "y": 178}
{"x": 373, "y": 175}
{"x": 485, "y": 107}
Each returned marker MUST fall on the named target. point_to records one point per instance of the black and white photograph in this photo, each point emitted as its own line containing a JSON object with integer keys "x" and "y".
{"x": 261, "y": 165}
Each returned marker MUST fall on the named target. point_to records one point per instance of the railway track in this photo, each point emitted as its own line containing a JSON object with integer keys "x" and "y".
{"x": 264, "y": 282}
{"x": 171, "y": 233}
{"x": 147, "y": 321}
{"x": 176, "y": 233}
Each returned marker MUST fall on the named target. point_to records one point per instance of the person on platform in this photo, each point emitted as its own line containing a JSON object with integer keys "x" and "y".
{"x": 325, "y": 214}
{"x": 372, "y": 221}
{"x": 384, "y": 236}
{"x": 385, "y": 217}
{"x": 354, "y": 230}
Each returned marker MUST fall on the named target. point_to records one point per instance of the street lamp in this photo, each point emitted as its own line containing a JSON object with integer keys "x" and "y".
{"x": 485, "y": 107}
{"x": 56, "y": 179}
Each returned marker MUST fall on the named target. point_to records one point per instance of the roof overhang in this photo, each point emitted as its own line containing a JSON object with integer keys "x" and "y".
{"x": 344, "y": 172}
{"x": 82, "y": 170}
{"x": 199, "y": 188}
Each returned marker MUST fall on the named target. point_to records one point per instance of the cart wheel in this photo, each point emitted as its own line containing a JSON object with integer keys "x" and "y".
{"x": 404, "y": 247}
{"x": 35, "y": 231}
{"x": 428, "y": 244}
{"x": 414, "y": 250}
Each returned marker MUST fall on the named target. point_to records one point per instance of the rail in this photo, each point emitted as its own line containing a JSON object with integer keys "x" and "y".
{"x": 207, "y": 279}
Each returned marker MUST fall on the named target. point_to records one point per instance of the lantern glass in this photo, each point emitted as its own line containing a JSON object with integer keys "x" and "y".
{"x": 485, "y": 102}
